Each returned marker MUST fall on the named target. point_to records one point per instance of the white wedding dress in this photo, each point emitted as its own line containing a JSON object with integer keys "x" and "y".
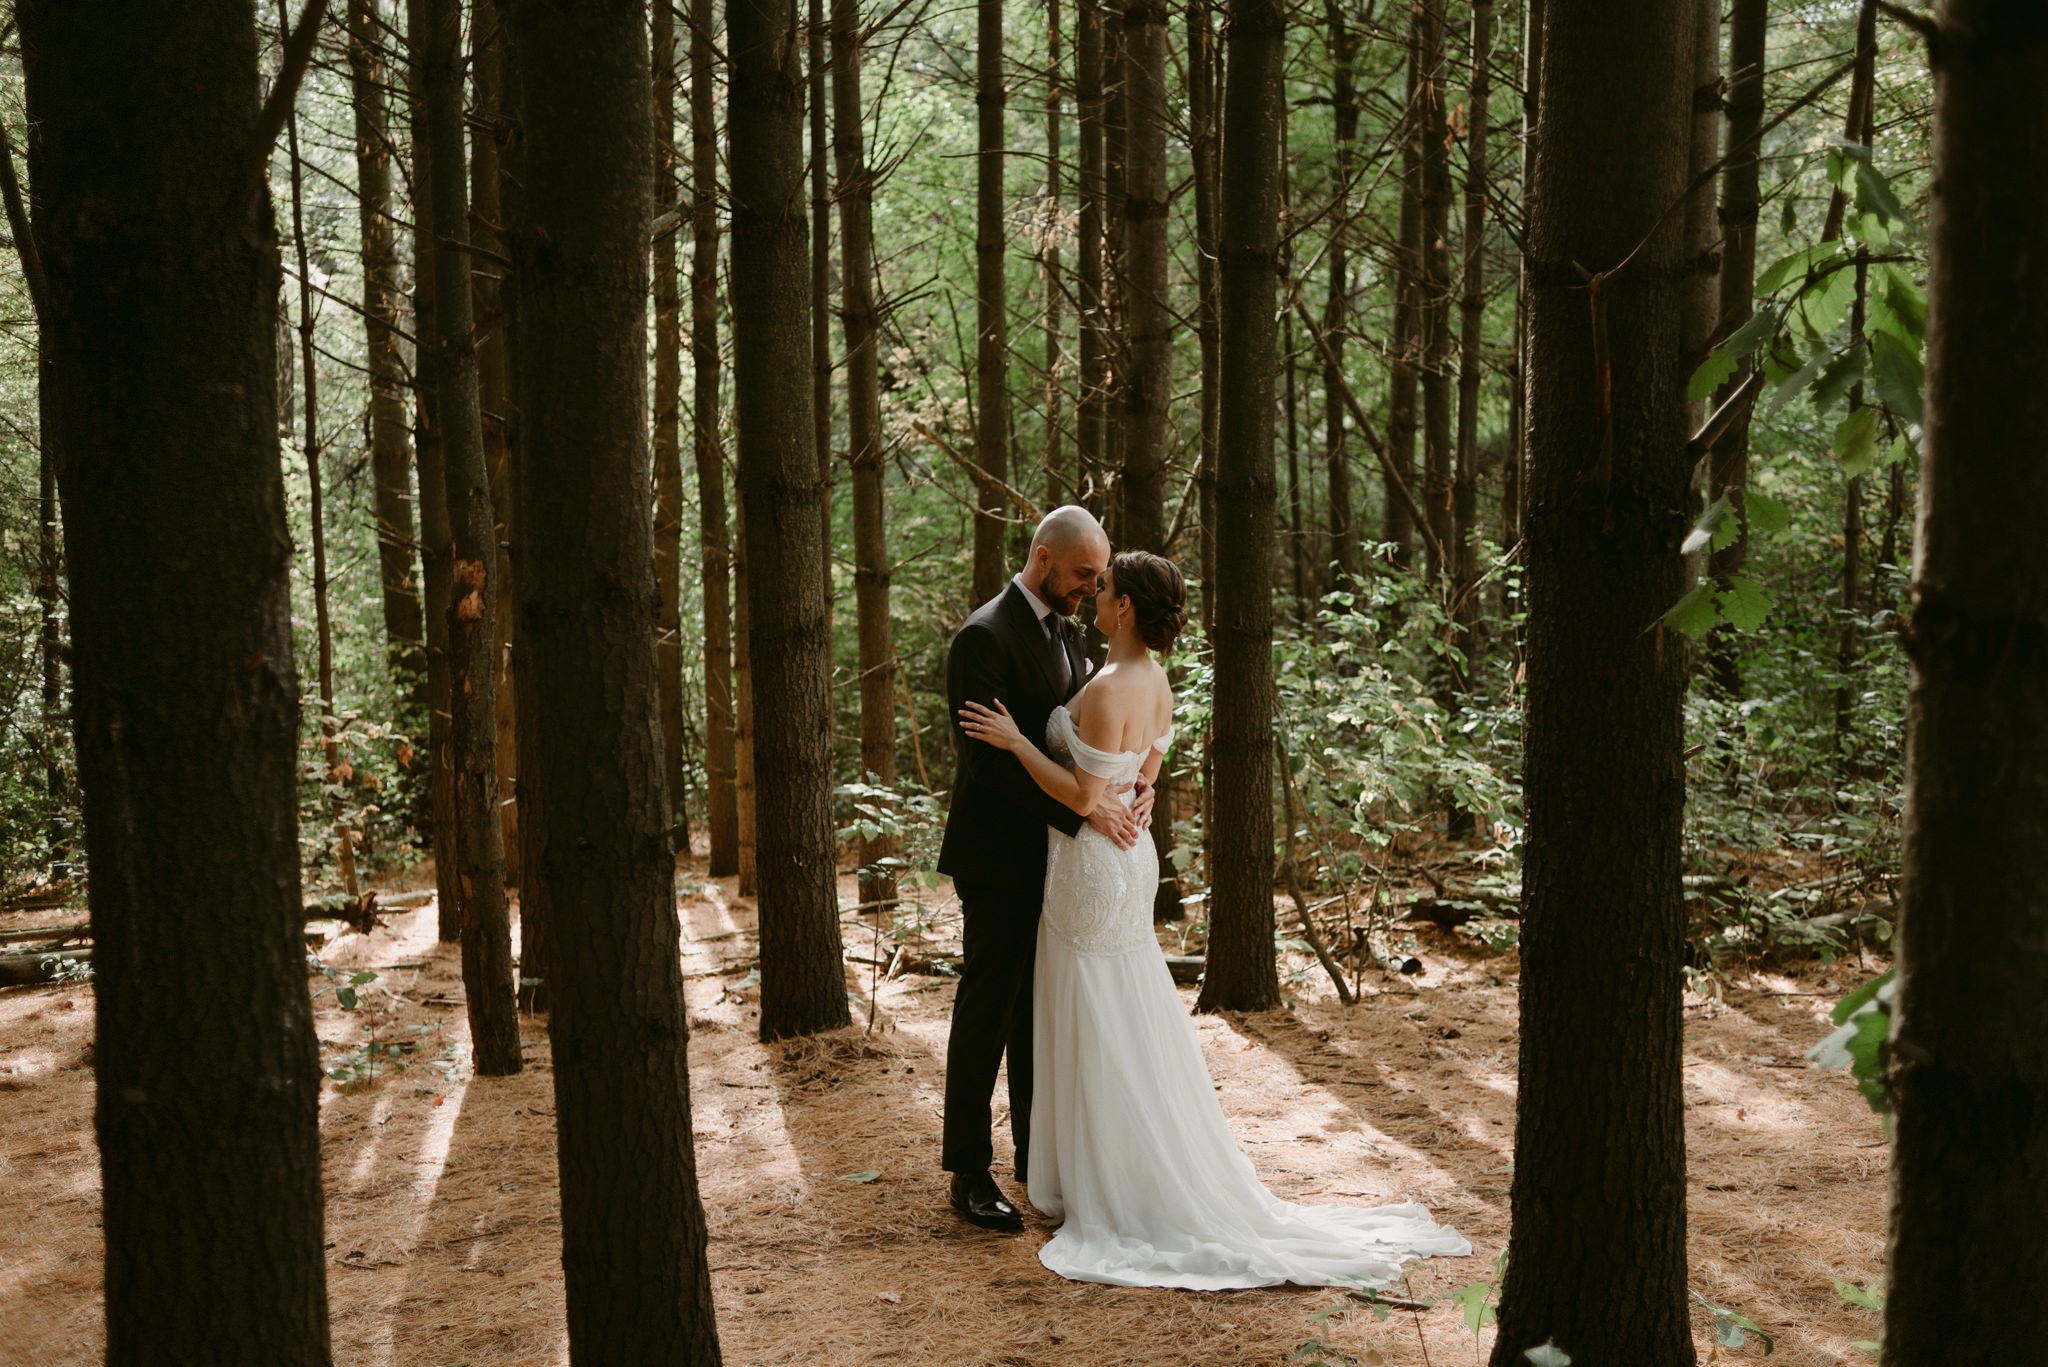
{"x": 1128, "y": 1141}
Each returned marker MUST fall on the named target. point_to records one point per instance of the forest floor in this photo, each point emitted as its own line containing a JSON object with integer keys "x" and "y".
{"x": 831, "y": 1242}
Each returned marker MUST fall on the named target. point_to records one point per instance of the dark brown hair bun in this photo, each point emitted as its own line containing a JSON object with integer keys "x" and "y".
{"x": 1159, "y": 597}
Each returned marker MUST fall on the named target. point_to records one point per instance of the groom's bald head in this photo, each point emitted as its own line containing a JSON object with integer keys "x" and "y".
{"x": 1069, "y": 556}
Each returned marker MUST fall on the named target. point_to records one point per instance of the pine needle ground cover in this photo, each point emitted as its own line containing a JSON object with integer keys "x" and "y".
{"x": 831, "y": 1241}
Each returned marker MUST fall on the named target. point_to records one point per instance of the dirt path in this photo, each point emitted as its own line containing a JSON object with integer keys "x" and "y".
{"x": 444, "y": 1228}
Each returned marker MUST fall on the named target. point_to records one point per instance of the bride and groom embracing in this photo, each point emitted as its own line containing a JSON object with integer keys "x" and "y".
{"x": 1118, "y": 1131}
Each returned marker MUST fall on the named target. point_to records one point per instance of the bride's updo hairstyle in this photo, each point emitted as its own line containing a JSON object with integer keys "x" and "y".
{"x": 1159, "y": 597}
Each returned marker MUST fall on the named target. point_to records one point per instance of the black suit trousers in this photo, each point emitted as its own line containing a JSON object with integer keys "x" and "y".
{"x": 991, "y": 1015}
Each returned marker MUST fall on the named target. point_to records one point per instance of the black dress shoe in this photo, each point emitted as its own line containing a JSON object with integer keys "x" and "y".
{"x": 977, "y": 1197}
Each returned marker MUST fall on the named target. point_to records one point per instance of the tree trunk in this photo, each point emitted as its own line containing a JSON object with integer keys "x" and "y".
{"x": 162, "y": 270}
{"x": 1848, "y": 648}
{"x": 1055, "y": 356}
{"x": 1599, "y": 1121}
{"x": 803, "y": 982}
{"x": 856, "y": 193}
{"x": 436, "y": 539}
{"x": 1401, "y": 379}
{"x": 1242, "y": 974}
{"x": 748, "y": 863}
{"x": 471, "y": 605}
{"x": 323, "y": 626}
{"x": 1148, "y": 320}
{"x": 1967, "y": 1249}
{"x": 1344, "y": 106}
{"x": 493, "y": 347}
{"x": 636, "y": 1276}
{"x": 1203, "y": 143}
{"x": 668, "y": 451}
{"x": 821, "y": 306}
{"x": 1297, "y": 532}
{"x": 1472, "y": 311}
{"x": 1116, "y": 265}
{"x": 1728, "y": 462}
{"x": 991, "y": 335}
{"x": 390, "y": 450}
{"x": 1088, "y": 424}
{"x": 1435, "y": 309}
{"x": 708, "y": 452}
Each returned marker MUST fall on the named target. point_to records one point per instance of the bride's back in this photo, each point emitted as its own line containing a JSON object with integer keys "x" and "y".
{"x": 1126, "y": 707}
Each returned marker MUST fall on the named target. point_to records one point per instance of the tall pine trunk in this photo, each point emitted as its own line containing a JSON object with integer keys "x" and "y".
{"x": 1203, "y": 144}
{"x": 803, "y": 986}
{"x": 1243, "y": 974}
{"x": 390, "y": 448}
{"x": 436, "y": 539}
{"x": 821, "y": 300}
{"x": 708, "y": 454}
{"x": 1599, "y": 1184}
{"x": 747, "y": 862}
{"x": 991, "y": 325}
{"x": 635, "y": 1271}
{"x": 161, "y": 258}
{"x": 1336, "y": 307}
{"x": 1088, "y": 424}
{"x": 472, "y": 601}
{"x": 1472, "y": 317}
{"x": 1728, "y": 461}
{"x": 1435, "y": 304}
{"x": 668, "y": 387}
{"x": 856, "y": 194}
{"x": 1968, "y": 1249}
{"x": 1055, "y": 352}
{"x": 1401, "y": 377}
{"x": 1859, "y": 127}
{"x": 1148, "y": 319}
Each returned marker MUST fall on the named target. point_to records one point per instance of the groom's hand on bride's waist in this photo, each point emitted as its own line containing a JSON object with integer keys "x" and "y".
{"x": 1117, "y": 822}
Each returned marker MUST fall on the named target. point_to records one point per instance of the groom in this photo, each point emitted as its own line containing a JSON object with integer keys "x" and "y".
{"x": 1018, "y": 647}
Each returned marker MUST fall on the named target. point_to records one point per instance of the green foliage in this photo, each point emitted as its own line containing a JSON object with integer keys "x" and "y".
{"x": 1869, "y": 1296}
{"x": 1732, "y": 1328}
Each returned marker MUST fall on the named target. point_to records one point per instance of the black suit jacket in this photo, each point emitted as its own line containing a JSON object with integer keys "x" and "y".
{"x": 995, "y": 826}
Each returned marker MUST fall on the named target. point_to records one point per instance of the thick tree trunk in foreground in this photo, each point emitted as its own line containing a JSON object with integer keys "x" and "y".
{"x": 821, "y": 300}
{"x": 1148, "y": 319}
{"x": 390, "y": 449}
{"x": 856, "y": 194}
{"x": 1243, "y": 975}
{"x": 633, "y": 1242}
{"x": 1599, "y": 1185}
{"x": 668, "y": 393}
{"x": 162, "y": 266}
{"x": 473, "y": 588}
{"x": 803, "y": 982}
{"x": 708, "y": 452}
{"x": 1969, "y": 1248}
{"x": 991, "y": 313}
{"x": 436, "y": 540}
{"x": 1728, "y": 462}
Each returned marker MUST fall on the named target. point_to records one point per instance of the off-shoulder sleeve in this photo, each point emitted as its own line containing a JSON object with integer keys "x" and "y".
{"x": 1103, "y": 764}
{"x": 1165, "y": 742}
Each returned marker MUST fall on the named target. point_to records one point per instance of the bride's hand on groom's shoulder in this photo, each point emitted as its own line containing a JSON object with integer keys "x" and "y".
{"x": 997, "y": 727}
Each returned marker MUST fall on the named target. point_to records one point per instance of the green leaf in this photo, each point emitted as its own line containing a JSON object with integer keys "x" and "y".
{"x": 1871, "y": 230}
{"x": 863, "y": 1177}
{"x": 1744, "y": 604}
{"x": 1906, "y": 301}
{"x": 1846, "y": 1007}
{"x": 1478, "y": 1314}
{"x": 1790, "y": 389}
{"x": 1760, "y": 328}
{"x": 347, "y": 997}
{"x": 1716, "y": 529}
{"x": 1863, "y": 1297}
{"x": 363, "y": 977}
{"x": 1718, "y": 366}
{"x": 1694, "y": 614}
{"x": 1766, "y": 514}
{"x": 1547, "y": 1354}
{"x": 1728, "y": 1333}
{"x": 1840, "y": 376}
{"x": 1871, "y": 1346}
{"x": 1874, "y": 193}
{"x": 1898, "y": 376}
{"x": 1823, "y": 304}
{"x": 1788, "y": 218}
{"x": 1789, "y": 268}
{"x": 1856, "y": 442}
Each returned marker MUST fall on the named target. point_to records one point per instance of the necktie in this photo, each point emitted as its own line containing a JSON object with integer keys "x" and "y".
{"x": 1061, "y": 669}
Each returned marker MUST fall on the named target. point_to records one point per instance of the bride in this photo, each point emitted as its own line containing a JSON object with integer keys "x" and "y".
{"x": 1128, "y": 1141}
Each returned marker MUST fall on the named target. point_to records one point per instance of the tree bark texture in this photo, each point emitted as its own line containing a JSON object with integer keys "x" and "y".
{"x": 1243, "y": 974}
{"x": 1968, "y": 1245}
{"x": 1148, "y": 316}
{"x": 821, "y": 301}
{"x": 493, "y": 393}
{"x": 1472, "y": 316}
{"x": 1434, "y": 314}
{"x": 856, "y": 193}
{"x": 708, "y": 452}
{"x": 436, "y": 539}
{"x": 803, "y": 984}
{"x": 1336, "y": 307}
{"x": 1055, "y": 350}
{"x": 668, "y": 393}
{"x": 1204, "y": 142}
{"x": 748, "y": 862}
{"x": 1702, "y": 294}
{"x": 390, "y": 446}
{"x": 1401, "y": 377}
{"x": 162, "y": 267}
{"x": 991, "y": 325}
{"x": 636, "y": 1277}
{"x": 1088, "y": 415}
{"x": 1728, "y": 461}
{"x": 1599, "y": 1184}
{"x": 487, "y": 974}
